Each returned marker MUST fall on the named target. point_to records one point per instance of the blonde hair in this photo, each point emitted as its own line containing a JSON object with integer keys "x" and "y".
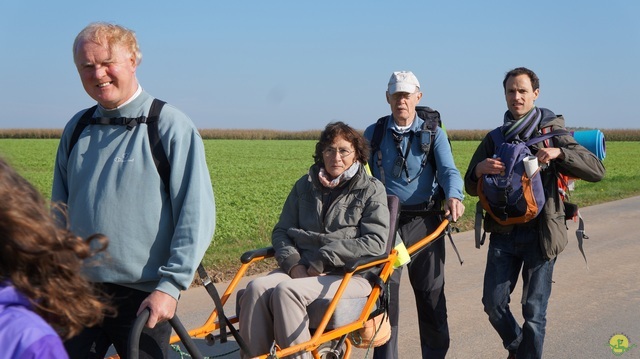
{"x": 43, "y": 261}
{"x": 110, "y": 35}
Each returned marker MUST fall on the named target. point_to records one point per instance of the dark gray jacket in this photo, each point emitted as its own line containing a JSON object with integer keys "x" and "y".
{"x": 578, "y": 162}
{"x": 356, "y": 223}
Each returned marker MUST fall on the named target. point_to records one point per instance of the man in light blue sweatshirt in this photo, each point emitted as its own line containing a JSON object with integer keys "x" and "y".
{"x": 111, "y": 185}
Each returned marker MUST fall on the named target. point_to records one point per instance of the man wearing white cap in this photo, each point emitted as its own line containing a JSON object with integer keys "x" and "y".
{"x": 415, "y": 173}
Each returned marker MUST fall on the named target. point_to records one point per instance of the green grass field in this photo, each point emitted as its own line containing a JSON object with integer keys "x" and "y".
{"x": 251, "y": 179}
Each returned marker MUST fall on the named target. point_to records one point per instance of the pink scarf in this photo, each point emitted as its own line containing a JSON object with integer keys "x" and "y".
{"x": 345, "y": 176}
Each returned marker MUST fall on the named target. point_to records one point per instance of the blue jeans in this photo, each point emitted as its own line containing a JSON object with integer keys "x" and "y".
{"x": 507, "y": 255}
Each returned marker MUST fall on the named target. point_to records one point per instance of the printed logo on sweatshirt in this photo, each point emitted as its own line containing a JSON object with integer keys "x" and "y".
{"x": 126, "y": 157}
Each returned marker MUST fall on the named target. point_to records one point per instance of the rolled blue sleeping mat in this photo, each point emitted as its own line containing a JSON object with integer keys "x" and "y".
{"x": 593, "y": 140}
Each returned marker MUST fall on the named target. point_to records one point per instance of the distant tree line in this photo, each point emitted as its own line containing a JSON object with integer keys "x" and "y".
{"x": 258, "y": 134}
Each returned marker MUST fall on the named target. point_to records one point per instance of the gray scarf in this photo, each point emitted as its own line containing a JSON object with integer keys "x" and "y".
{"x": 523, "y": 128}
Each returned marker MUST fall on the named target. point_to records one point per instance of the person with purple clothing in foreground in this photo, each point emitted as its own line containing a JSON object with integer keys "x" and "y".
{"x": 39, "y": 275}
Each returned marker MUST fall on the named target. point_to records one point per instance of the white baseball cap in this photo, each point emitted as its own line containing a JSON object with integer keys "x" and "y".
{"x": 403, "y": 81}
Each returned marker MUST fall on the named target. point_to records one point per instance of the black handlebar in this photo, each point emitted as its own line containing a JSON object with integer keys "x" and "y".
{"x": 138, "y": 326}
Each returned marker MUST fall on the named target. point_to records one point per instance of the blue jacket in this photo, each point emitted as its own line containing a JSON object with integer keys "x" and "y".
{"x": 418, "y": 187}
{"x": 23, "y": 333}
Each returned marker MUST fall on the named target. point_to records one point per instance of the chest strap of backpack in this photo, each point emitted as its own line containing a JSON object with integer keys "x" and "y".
{"x": 426, "y": 136}
{"x": 151, "y": 120}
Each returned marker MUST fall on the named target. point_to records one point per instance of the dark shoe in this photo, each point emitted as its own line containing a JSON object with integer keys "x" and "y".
{"x": 512, "y": 355}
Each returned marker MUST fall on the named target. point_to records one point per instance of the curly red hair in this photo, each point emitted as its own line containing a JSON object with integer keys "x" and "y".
{"x": 43, "y": 261}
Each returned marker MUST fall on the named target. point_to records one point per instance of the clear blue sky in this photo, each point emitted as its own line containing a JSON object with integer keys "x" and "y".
{"x": 297, "y": 65}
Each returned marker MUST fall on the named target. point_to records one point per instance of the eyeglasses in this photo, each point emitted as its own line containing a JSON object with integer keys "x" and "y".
{"x": 331, "y": 152}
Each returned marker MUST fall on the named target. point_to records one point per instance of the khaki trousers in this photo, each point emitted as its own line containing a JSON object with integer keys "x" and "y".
{"x": 274, "y": 307}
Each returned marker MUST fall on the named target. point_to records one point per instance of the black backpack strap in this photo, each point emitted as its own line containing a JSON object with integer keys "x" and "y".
{"x": 80, "y": 126}
{"x": 151, "y": 120}
{"x": 378, "y": 132}
{"x": 430, "y": 125}
{"x": 431, "y": 122}
{"x": 376, "y": 140}
{"x": 158, "y": 152}
{"x": 480, "y": 236}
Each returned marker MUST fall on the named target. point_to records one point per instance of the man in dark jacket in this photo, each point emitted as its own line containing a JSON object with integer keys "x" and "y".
{"x": 533, "y": 246}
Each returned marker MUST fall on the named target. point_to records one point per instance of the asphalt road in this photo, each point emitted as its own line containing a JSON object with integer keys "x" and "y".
{"x": 588, "y": 306}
